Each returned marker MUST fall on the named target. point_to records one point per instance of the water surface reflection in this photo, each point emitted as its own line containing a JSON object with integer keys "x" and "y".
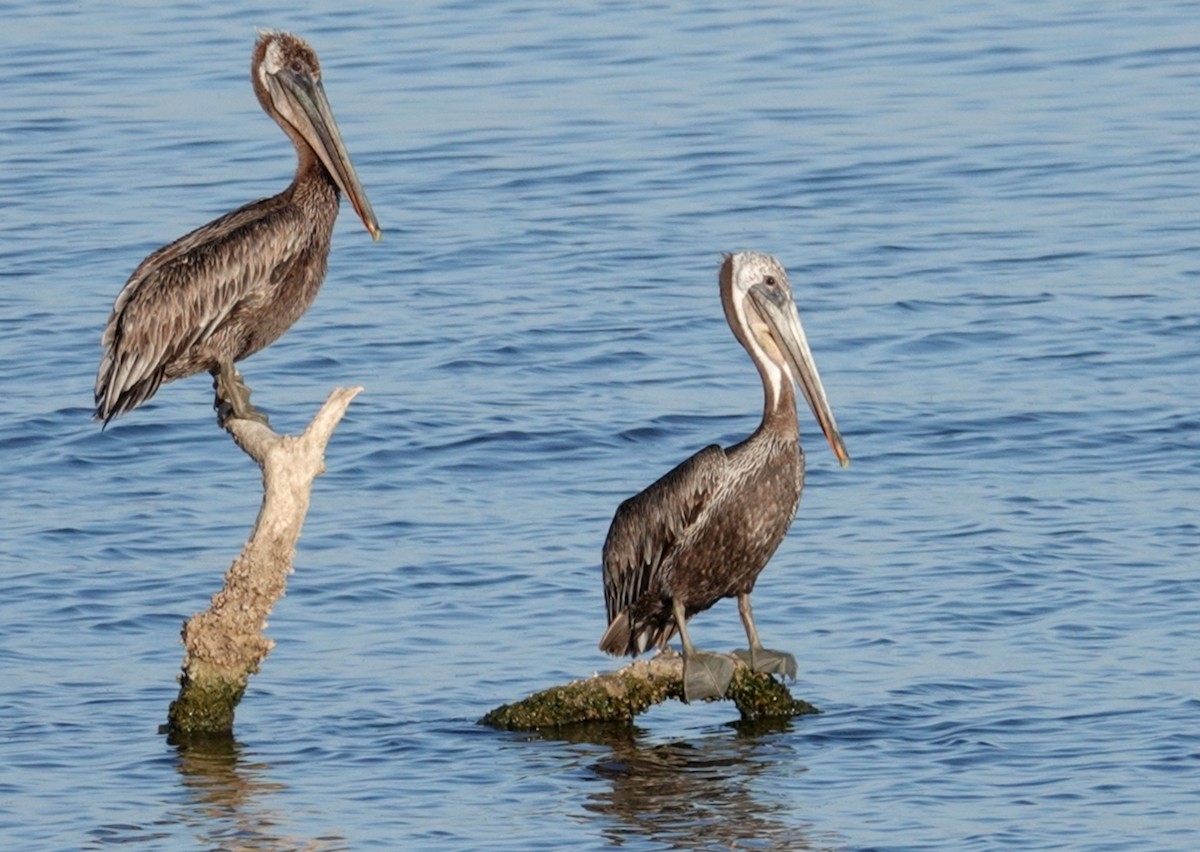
{"x": 702, "y": 793}
{"x": 227, "y": 791}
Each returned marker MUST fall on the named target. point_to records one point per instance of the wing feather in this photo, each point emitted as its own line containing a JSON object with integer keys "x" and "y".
{"x": 645, "y": 531}
{"x": 183, "y": 293}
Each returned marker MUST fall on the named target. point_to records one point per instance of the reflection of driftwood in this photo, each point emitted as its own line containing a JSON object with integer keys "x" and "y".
{"x": 225, "y": 645}
{"x": 620, "y": 695}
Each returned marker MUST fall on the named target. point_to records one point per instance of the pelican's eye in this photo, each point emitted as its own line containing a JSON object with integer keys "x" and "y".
{"x": 297, "y": 66}
{"x": 770, "y": 281}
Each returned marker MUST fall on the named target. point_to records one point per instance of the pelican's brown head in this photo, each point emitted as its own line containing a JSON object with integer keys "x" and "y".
{"x": 287, "y": 81}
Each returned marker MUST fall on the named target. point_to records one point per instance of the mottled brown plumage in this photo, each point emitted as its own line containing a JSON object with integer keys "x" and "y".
{"x": 706, "y": 530}
{"x": 232, "y": 287}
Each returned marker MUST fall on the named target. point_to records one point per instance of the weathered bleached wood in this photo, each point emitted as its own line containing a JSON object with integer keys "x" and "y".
{"x": 620, "y": 695}
{"x": 225, "y": 644}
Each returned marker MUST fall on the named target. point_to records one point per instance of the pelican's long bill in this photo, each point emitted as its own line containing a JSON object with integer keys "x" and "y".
{"x": 780, "y": 311}
{"x": 301, "y": 100}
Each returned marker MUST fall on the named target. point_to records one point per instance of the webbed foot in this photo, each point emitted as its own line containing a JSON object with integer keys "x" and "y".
{"x": 706, "y": 676}
{"x": 769, "y": 662}
{"x": 233, "y": 397}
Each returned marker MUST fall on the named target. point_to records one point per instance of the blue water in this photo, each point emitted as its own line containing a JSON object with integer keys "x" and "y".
{"x": 990, "y": 221}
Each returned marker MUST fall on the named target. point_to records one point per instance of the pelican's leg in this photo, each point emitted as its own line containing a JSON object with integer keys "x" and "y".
{"x": 705, "y": 675}
{"x": 233, "y": 396}
{"x": 757, "y": 657}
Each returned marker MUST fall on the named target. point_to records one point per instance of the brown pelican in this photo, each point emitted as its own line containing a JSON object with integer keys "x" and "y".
{"x": 705, "y": 530}
{"x": 226, "y": 290}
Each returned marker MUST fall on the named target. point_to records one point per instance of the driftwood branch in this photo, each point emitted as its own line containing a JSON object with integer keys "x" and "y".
{"x": 225, "y": 644}
{"x": 620, "y": 695}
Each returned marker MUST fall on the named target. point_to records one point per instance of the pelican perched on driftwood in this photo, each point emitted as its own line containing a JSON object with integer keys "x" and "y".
{"x": 706, "y": 530}
{"x": 232, "y": 287}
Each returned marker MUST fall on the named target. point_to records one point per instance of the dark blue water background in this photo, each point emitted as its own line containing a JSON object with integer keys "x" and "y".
{"x": 990, "y": 217}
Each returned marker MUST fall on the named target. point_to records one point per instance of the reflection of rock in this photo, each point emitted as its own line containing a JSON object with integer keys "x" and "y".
{"x": 710, "y": 794}
{"x": 621, "y": 695}
{"x": 225, "y": 807}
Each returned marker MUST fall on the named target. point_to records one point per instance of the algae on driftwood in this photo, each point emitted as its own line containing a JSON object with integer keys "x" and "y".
{"x": 620, "y": 695}
{"x": 225, "y": 644}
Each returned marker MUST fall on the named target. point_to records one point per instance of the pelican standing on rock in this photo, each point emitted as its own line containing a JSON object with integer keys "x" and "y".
{"x": 706, "y": 530}
{"x": 232, "y": 287}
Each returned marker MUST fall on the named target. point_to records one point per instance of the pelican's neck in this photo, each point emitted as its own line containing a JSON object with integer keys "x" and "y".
{"x": 309, "y": 168}
{"x": 779, "y": 395}
{"x": 313, "y": 189}
{"x": 779, "y": 398}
